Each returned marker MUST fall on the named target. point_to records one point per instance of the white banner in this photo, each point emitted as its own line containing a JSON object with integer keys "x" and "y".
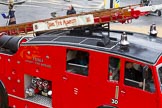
{"x": 64, "y": 23}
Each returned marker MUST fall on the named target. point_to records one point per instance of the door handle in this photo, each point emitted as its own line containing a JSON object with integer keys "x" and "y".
{"x": 64, "y": 78}
{"x": 122, "y": 91}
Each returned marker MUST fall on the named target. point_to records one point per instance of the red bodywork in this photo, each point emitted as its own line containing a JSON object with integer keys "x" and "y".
{"x": 71, "y": 90}
{"x": 48, "y": 63}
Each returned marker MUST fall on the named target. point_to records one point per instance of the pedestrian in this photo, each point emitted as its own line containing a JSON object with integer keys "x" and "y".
{"x": 71, "y": 10}
{"x": 11, "y": 15}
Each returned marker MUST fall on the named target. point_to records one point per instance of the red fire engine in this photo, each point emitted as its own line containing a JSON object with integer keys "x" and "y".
{"x": 88, "y": 66}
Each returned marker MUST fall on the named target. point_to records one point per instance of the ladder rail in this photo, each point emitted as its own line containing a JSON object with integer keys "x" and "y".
{"x": 121, "y": 14}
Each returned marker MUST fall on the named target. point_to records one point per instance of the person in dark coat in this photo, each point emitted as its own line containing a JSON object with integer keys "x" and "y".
{"x": 131, "y": 75}
{"x": 11, "y": 15}
{"x": 71, "y": 10}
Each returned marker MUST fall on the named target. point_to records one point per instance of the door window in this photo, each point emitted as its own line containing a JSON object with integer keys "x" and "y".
{"x": 114, "y": 69}
{"x": 77, "y": 62}
{"x": 160, "y": 76}
{"x": 138, "y": 76}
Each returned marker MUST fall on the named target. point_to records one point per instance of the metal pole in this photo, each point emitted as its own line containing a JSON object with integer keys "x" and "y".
{"x": 111, "y": 3}
{"x": 111, "y": 6}
{"x": 108, "y": 27}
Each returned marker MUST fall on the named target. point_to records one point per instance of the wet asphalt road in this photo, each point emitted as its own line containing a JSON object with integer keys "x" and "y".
{"x": 33, "y": 10}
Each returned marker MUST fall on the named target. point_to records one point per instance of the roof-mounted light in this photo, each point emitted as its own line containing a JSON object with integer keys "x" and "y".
{"x": 124, "y": 42}
{"x": 153, "y": 32}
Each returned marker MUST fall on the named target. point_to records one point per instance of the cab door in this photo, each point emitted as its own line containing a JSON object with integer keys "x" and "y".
{"x": 76, "y": 80}
{"x": 104, "y": 83}
{"x": 133, "y": 94}
{"x": 113, "y": 80}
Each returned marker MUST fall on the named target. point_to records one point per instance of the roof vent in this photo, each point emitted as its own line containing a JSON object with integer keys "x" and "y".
{"x": 100, "y": 43}
{"x": 105, "y": 40}
{"x": 124, "y": 42}
{"x": 153, "y": 32}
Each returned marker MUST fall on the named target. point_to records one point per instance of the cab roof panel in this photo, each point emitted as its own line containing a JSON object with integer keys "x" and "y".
{"x": 141, "y": 46}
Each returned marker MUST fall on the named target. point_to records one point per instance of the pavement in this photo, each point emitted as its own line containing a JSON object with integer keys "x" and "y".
{"x": 5, "y": 2}
{"x": 31, "y": 10}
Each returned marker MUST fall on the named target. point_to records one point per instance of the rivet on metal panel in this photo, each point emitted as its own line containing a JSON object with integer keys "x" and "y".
{"x": 14, "y": 90}
{"x": 28, "y": 52}
{"x": 9, "y": 60}
{"x": 9, "y": 78}
{"x": 37, "y": 70}
{"x": 18, "y": 81}
{"x": 18, "y": 62}
{"x": 14, "y": 106}
{"x": 13, "y": 72}
{"x": 47, "y": 57}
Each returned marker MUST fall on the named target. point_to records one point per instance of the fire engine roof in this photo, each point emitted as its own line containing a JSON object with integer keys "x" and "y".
{"x": 141, "y": 47}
